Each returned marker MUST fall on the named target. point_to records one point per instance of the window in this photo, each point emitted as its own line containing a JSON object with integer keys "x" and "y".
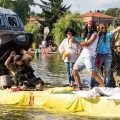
{"x": 12, "y": 21}
{"x": 1, "y": 21}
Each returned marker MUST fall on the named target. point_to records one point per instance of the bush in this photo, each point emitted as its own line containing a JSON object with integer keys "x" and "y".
{"x": 34, "y": 27}
{"x": 68, "y": 20}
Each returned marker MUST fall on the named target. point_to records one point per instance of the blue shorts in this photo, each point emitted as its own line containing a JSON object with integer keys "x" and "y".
{"x": 85, "y": 62}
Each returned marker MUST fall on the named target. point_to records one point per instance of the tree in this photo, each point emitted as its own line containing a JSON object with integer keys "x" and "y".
{"x": 34, "y": 27}
{"x": 111, "y": 11}
{"x": 52, "y": 11}
{"x": 116, "y": 21}
{"x": 6, "y": 4}
{"x": 68, "y": 20}
{"x": 102, "y": 11}
{"x": 22, "y": 8}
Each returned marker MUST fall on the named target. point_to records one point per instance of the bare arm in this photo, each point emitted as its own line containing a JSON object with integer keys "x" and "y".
{"x": 89, "y": 42}
{"x": 116, "y": 36}
{"x": 114, "y": 39}
{"x": 115, "y": 30}
{"x": 7, "y": 62}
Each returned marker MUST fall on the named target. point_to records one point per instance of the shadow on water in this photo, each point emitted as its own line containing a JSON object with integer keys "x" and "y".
{"x": 52, "y": 70}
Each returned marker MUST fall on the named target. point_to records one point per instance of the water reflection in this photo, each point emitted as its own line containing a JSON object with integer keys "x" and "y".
{"x": 50, "y": 68}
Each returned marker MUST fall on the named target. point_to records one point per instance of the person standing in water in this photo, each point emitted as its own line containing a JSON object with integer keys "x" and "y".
{"x": 104, "y": 54}
{"x": 87, "y": 56}
{"x": 69, "y": 50}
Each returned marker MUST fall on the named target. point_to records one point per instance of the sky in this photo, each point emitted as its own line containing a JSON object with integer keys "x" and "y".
{"x": 83, "y": 6}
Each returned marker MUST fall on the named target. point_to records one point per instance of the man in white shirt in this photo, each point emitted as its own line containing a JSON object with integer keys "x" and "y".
{"x": 71, "y": 49}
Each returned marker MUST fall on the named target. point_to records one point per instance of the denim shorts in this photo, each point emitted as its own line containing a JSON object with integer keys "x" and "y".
{"x": 83, "y": 62}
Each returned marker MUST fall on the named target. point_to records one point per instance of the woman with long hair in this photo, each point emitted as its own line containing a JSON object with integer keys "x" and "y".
{"x": 87, "y": 56}
{"x": 103, "y": 53}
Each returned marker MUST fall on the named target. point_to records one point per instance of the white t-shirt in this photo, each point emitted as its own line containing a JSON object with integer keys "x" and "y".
{"x": 90, "y": 50}
{"x": 69, "y": 47}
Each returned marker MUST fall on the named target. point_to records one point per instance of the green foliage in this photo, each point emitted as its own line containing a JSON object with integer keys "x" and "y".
{"x": 34, "y": 28}
{"x": 6, "y": 4}
{"x": 116, "y": 21}
{"x": 53, "y": 11}
{"x": 22, "y": 8}
{"x": 102, "y": 11}
{"x": 110, "y": 28}
{"x": 111, "y": 11}
{"x": 68, "y": 20}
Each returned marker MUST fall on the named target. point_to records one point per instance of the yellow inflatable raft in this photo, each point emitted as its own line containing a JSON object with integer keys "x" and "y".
{"x": 62, "y": 99}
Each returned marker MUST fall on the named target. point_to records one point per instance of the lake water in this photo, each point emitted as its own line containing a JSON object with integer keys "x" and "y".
{"x": 52, "y": 70}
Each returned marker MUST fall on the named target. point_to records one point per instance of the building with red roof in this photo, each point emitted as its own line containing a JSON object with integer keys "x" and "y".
{"x": 35, "y": 19}
{"x": 97, "y": 17}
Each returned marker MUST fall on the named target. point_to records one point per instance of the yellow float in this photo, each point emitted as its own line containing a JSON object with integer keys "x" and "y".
{"x": 62, "y": 99}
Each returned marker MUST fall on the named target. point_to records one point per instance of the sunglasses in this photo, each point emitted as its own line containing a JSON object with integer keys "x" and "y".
{"x": 69, "y": 33}
{"x": 89, "y": 26}
{"x": 103, "y": 27}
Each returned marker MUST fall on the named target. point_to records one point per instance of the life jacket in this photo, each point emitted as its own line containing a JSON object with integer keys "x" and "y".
{"x": 24, "y": 71}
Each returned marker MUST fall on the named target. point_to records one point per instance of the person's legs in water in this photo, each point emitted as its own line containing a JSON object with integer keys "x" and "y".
{"x": 78, "y": 66}
{"x": 97, "y": 78}
{"x": 97, "y": 66}
{"x": 71, "y": 75}
{"x": 69, "y": 66}
{"x": 107, "y": 63}
{"x": 68, "y": 70}
{"x": 107, "y": 60}
{"x": 89, "y": 63}
{"x": 92, "y": 82}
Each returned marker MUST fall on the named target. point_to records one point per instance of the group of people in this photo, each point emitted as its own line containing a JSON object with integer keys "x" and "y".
{"x": 96, "y": 51}
{"x": 46, "y": 48}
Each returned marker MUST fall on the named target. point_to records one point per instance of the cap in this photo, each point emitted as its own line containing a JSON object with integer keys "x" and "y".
{"x": 117, "y": 44}
{"x": 17, "y": 58}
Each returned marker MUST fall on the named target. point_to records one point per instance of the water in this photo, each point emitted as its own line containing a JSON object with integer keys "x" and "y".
{"x": 52, "y": 70}
{"x": 30, "y": 113}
